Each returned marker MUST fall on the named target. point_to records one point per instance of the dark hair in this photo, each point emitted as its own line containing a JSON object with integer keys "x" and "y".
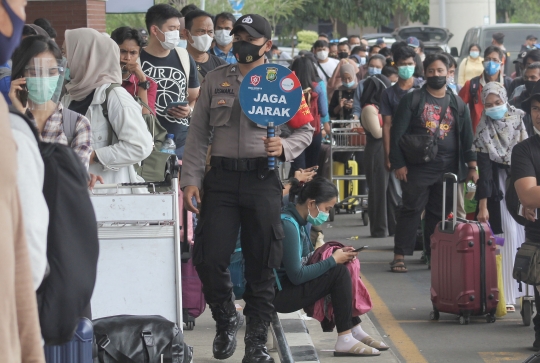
{"x": 403, "y": 52}
{"x": 320, "y": 189}
{"x": 431, "y": 58}
{"x": 194, "y": 14}
{"x": 274, "y": 47}
{"x": 475, "y": 45}
{"x": 535, "y": 65}
{"x": 320, "y": 44}
{"x": 124, "y": 33}
{"x": 344, "y": 43}
{"x": 388, "y": 71}
{"x": 353, "y": 36}
{"x": 159, "y": 14}
{"x": 304, "y": 69}
{"x": 225, "y": 15}
{"x": 28, "y": 31}
{"x": 374, "y": 46}
{"x": 188, "y": 8}
{"x": 493, "y": 49}
{"x": 533, "y": 54}
{"x": 499, "y": 37}
{"x": 29, "y": 48}
{"x": 421, "y": 45}
{"x": 358, "y": 49}
{"x": 395, "y": 46}
{"x": 46, "y": 25}
{"x": 451, "y": 60}
{"x": 379, "y": 57}
{"x": 324, "y": 35}
{"x": 385, "y": 52}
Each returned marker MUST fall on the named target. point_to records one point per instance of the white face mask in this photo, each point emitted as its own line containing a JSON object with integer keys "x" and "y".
{"x": 223, "y": 37}
{"x": 171, "y": 39}
{"x": 201, "y": 42}
{"x": 322, "y": 55}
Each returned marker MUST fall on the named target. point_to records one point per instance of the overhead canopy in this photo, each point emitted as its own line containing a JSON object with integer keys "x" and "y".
{"x": 131, "y": 6}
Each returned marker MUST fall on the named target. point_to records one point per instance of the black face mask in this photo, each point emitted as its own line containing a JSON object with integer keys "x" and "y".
{"x": 246, "y": 53}
{"x": 343, "y": 55}
{"x": 436, "y": 82}
{"x": 529, "y": 85}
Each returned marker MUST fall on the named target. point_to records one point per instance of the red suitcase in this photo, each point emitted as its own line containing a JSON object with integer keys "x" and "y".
{"x": 463, "y": 267}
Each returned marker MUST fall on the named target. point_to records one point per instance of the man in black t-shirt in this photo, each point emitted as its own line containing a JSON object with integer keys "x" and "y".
{"x": 525, "y": 170}
{"x": 422, "y": 184}
{"x": 199, "y": 33}
{"x": 166, "y": 64}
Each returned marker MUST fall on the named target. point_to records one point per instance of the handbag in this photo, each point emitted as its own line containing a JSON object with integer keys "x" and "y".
{"x": 139, "y": 339}
{"x": 423, "y": 148}
{"x": 527, "y": 264}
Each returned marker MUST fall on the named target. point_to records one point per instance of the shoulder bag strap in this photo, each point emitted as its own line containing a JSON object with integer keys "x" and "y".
{"x": 322, "y": 69}
{"x": 105, "y": 107}
{"x": 183, "y": 55}
{"x": 69, "y": 123}
{"x": 105, "y": 345}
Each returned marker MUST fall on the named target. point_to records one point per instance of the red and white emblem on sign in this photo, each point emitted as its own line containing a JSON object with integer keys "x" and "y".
{"x": 255, "y": 80}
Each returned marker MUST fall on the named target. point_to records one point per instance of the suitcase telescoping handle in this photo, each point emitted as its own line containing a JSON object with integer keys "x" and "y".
{"x": 454, "y": 178}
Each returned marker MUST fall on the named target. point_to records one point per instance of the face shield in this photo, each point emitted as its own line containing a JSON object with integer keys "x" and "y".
{"x": 44, "y": 82}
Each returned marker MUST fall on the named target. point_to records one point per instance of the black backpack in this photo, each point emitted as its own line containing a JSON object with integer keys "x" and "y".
{"x": 72, "y": 242}
{"x": 416, "y": 93}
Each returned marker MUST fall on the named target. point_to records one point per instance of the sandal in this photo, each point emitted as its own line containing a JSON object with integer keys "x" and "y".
{"x": 398, "y": 266}
{"x": 359, "y": 349}
{"x": 369, "y": 341}
{"x": 510, "y": 308}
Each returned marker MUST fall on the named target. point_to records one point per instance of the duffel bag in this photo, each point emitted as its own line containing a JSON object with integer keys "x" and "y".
{"x": 139, "y": 339}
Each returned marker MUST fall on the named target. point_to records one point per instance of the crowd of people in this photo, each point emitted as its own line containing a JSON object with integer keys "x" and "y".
{"x": 95, "y": 92}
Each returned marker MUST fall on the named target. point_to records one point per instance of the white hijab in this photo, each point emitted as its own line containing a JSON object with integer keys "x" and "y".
{"x": 498, "y": 137}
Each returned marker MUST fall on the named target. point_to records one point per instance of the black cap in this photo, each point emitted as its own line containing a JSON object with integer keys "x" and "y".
{"x": 535, "y": 94}
{"x": 520, "y": 57}
{"x": 256, "y": 25}
{"x": 531, "y": 37}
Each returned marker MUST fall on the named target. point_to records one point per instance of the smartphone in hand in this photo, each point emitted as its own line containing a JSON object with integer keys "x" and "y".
{"x": 360, "y": 249}
{"x": 176, "y": 104}
{"x": 23, "y": 95}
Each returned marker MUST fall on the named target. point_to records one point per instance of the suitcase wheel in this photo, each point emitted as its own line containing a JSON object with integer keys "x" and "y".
{"x": 526, "y": 312}
{"x": 434, "y": 315}
{"x": 490, "y": 318}
{"x": 464, "y": 320}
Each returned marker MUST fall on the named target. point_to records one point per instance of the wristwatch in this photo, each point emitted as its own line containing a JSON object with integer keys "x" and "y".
{"x": 144, "y": 85}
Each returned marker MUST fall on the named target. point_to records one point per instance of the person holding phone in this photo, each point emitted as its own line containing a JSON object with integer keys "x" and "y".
{"x": 301, "y": 285}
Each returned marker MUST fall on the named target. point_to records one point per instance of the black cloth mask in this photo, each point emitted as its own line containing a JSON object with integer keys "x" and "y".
{"x": 246, "y": 53}
{"x": 436, "y": 82}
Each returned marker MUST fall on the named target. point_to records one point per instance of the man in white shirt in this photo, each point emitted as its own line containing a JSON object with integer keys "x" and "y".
{"x": 325, "y": 66}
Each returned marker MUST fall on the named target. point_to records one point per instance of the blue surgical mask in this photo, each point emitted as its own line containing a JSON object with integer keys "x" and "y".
{"x": 497, "y": 112}
{"x": 8, "y": 44}
{"x": 362, "y": 61}
{"x": 492, "y": 68}
{"x": 373, "y": 71}
{"x": 474, "y": 54}
{"x": 319, "y": 220}
{"x": 349, "y": 85}
{"x": 182, "y": 43}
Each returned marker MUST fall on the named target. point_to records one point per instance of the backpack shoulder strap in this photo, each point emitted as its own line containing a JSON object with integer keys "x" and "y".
{"x": 105, "y": 107}
{"x": 69, "y": 123}
{"x": 322, "y": 69}
{"x": 33, "y": 128}
{"x": 183, "y": 55}
{"x": 415, "y": 99}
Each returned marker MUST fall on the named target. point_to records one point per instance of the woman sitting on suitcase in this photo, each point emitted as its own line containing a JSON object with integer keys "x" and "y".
{"x": 303, "y": 285}
{"x": 500, "y": 129}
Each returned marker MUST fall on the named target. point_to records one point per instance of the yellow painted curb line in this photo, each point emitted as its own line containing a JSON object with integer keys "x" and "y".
{"x": 406, "y": 347}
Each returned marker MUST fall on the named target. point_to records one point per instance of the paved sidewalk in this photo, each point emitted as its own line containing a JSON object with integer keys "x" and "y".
{"x": 203, "y": 334}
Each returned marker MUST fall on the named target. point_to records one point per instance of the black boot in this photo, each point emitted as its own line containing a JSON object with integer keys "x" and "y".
{"x": 228, "y": 322}
{"x": 255, "y": 339}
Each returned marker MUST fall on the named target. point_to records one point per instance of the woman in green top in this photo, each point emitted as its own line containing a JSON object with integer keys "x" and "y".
{"x": 302, "y": 285}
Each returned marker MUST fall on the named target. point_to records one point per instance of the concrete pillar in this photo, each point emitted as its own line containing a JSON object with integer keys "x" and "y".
{"x": 461, "y": 15}
{"x": 68, "y": 14}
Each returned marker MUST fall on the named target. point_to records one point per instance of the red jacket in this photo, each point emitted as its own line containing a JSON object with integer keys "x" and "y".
{"x": 476, "y": 111}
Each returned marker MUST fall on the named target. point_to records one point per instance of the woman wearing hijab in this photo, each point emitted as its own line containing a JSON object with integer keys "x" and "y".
{"x": 342, "y": 98}
{"x": 383, "y": 188}
{"x": 120, "y": 139}
{"x": 501, "y": 128}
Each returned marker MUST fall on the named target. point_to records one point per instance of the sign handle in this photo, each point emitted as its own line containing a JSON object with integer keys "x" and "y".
{"x": 271, "y": 132}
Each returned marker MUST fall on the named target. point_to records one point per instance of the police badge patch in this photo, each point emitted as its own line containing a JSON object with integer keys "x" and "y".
{"x": 271, "y": 74}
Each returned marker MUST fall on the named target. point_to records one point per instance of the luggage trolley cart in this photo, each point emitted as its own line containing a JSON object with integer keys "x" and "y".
{"x": 527, "y": 302}
{"x": 139, "y": 259}
{"x": 348, "y": 138}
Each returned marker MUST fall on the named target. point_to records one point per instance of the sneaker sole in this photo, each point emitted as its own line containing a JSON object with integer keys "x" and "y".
{"x": 230, "y": 354}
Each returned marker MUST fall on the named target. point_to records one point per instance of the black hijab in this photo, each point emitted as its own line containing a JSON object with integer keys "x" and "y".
{"x": 373, "y": 89}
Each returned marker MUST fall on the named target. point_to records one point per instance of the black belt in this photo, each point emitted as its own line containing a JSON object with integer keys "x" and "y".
{"x": 238, "y": 164}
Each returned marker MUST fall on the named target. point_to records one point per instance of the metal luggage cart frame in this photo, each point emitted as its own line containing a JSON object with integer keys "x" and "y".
{"x": 346, "y": 138}
{"x": 527, "y": 303}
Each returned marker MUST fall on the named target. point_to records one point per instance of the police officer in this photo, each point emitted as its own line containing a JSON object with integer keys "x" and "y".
{"x": 239, "y": 192}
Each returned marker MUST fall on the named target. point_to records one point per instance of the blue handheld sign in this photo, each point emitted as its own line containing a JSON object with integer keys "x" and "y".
{"x": 270, "y": 95}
